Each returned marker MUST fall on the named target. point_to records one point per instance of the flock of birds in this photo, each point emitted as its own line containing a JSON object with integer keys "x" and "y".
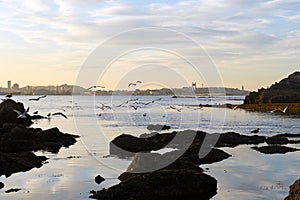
{"x": 131, "y": 103}
{"x": 23, "y": 115}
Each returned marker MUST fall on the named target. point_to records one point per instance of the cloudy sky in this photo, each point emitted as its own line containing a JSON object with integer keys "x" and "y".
{"x": 251, "y": 43}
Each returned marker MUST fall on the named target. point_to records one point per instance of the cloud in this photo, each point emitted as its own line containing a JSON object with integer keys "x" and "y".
{"x": 230, "y": 30}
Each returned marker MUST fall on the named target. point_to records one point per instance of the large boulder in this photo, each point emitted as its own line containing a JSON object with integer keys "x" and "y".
{"x": 19, "y": 162}
{"x": 274, "y": 149}
{"x": 17, "y": 138}
{"x": 162, "y": 184}
{"x": 232, "y": 139}
{"x": 294, "y": 193}
{"x": 8, "y": 115}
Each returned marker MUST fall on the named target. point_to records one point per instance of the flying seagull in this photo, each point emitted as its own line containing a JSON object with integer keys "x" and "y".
{"x": 279, "y": 110}
{"x": 37, "y": 99}
{"x": 22, "y": 115}
{"x": 134, "y": 84}
{"x": 134, "y": 107}
{"x": 177, "y": 109}
{"x": 103, "y": 107}
{"x": 95, "y": 86}
{"x": 60, "y": 113}
{"x": 126, "y": 102}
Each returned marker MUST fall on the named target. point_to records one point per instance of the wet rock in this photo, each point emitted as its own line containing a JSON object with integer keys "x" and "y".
{"x": 287, "y": 135}
{"x": 163, "y": 184}
{"x": 1, "y": 185}
{"x": 99, "y": 179}
{"x": 13, "y": 190}
{"x": 127, "y": 145}
{"x": 8, "y": 115}
{"x": 17, "y": 142}
{"x": 158, "y": 127}
{"x": 232, "y": 139}
{"x": 19, "y": 138}
{"x": 19, "y": 162}
{"x": 274, "y": 149}
{"x": 277, "y": 140}
{"x": 294, "y": 193}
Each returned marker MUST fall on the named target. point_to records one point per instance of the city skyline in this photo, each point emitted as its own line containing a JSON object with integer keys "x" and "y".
{"x": 251, "y": 43}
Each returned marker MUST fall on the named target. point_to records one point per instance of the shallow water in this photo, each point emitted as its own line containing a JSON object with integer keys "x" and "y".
{"x": 248, "y": 174}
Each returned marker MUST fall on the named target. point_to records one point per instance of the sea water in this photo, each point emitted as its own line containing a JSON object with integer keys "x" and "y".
{"x": 246, "y": 175}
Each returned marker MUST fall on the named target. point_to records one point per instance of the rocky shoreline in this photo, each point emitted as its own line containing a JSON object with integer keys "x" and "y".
{"x": 178, "y": 174}
{"x": 18, "y": 141}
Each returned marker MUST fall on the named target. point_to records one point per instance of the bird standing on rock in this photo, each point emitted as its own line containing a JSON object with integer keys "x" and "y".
{"x": 255, "y": 131}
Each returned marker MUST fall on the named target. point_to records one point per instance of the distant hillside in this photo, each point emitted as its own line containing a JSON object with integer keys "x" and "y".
{"x": 286, "y": 91}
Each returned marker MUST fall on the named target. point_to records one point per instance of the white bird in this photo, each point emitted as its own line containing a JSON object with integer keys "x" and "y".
{"x": 22, "y": 115}
{"x": 279, "y": 110}
{"x": 235, "y": 107}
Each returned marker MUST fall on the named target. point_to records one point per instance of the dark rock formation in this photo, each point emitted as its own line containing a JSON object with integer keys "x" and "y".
{"x": 8, "y": 115}
{"x": 158, "y": 127}
{"x": 277, "y": 140}
{"x": 274, "y": 149}
{"x": 19, "y": 162}
{"x": 99, "y": 179}
{"x": 163, "y": 184}
{"x": 286, "y": 91}
{"x": 294, "y": 193}
{"x": 127, "y": 145}
{"x": 232, "y": 139}
{"x": 290, "y": 135}
{"x": 173, "y": 175}
{"x": 1, "y": 185}
{"x": 17, "y": 138}
{"x": 17, "y": 142}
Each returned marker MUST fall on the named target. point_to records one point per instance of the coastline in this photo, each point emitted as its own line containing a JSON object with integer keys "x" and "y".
{"x": 292, "y": 108}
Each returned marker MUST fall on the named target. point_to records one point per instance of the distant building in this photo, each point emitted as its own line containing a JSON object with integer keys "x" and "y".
{"x": 15, "y": 86}
{"x": 9, "y": 85}
{"x": 243, "y": 88}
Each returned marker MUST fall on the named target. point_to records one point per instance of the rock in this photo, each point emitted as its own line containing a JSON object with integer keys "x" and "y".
{"x": 158, "y": 127}
{"x": 19, "y": 162}
{"x": 1, "y": 185}
{"x": 294, "y": 193}
{"x": 274, "y": 149}
{"x": 232, "y": 139}
{"x": 163, "y": 184}
{"x": 17, "y": 142}
{"x": 277, "y": 140}
{"x": 8, "y": 115}
{"x": 287, "y": 135}
{"x": 13, "y": 190}
{"x": 99, "y": 179}
{"x": 127, "y": 145}
{"x": 19, "y": 138}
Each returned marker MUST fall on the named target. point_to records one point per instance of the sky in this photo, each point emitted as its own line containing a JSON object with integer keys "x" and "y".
{"x": 163, "y": 43}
